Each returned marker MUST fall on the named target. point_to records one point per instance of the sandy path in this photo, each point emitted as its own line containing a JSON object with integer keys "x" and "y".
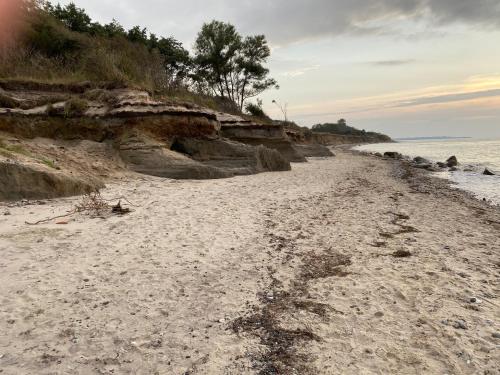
{"x": 279, "y": 273}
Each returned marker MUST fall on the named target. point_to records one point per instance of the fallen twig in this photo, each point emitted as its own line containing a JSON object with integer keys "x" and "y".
{"x": 51, "y": 218}
{"x": 92, "y": 204}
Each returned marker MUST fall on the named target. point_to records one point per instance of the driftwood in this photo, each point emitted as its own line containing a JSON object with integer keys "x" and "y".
{"x": 119, "y": 210}
{"x": 94, "y": 205}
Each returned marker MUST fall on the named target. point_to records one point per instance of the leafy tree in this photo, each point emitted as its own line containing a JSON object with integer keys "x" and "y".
{"x": 114, "y": 29}
{"x": 177, "y": 61}
{"x": 232, "y": 66}
{"x": 342, "y": 128}
{"x": 251, "y": 77}
{"x": 216, "y": 49}
{"x": 76, "y": 19}
{"x": 110, "y": 30}
{"x": 138, "y": 35}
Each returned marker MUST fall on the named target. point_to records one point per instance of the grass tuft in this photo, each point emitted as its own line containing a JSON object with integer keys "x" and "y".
{"x": 75, "y": 107}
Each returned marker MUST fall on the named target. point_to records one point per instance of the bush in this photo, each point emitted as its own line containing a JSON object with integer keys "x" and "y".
{"x": 75, "y": 107}
{"x": 51, "y": 39}
{"x": 256, "y": 110}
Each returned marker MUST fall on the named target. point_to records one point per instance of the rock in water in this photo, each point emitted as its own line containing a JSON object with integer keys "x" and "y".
{"x": 452, "y": 161}
{"x": 393, "y": 155}
{"x": 421, "y": 160}
{"x": 487, "y": 172}
{"x": 442, "y": 165}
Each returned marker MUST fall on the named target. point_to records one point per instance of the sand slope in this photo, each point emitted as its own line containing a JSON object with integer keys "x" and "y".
{"x": 289, "y": 272}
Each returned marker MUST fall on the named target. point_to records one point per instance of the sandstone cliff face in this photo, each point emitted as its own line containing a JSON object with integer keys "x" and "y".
{"x": 138, "y": 133}
{"x": 145, "y": 155}
{"x": 105, "y": 115}
{"x": 20, "y": 181}
{"x": 314, "y": 150}
{"x": 270, "y": 136}
{"x": 235, "y": 157}
{"x": 301, "y": 137}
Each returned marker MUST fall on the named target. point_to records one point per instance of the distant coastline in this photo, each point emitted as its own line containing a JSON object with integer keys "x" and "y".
{"x": 439, "y": 138}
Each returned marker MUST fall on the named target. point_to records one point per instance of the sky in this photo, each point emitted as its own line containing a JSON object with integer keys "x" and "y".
{"x": 403, "y": 67}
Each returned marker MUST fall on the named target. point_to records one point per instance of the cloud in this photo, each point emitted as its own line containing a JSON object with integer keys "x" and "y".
{"x": 479, "y": 90}
{"x": 300, "y": 71}
{"x": 448, "y": 98}
{"x": 288, "y": 21}
{"x": 392, "y": 62}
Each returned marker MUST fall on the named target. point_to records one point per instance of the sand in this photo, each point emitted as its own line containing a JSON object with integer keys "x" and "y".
{"x": 346, "y": 265}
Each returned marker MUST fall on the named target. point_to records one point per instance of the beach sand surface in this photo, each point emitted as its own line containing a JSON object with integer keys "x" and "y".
{"x": 345, "y": 265}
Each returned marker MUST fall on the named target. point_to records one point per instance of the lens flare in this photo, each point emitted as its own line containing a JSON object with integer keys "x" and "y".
{"x": 12, "y": 15}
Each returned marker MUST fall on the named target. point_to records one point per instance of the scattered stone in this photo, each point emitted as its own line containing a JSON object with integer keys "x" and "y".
{"x": 378, "y": 154}
{"x": 495, "y": 335}
{"x": 442, "y": 165}
{"x": 452, "y": 161}
{"x": 487, "y": 172}
{"x": 453, "y": 169}
{"x": 460, "y": 324}
{"x": 433, "y": 168}
{"x": 393, "y": 155}
{"x": 6, "y": 213}
{"x": 423, "y": 166}
{"x": 401, "y": 254}
{"x": 379, "y": 314}
{"x": 421, "y": 160}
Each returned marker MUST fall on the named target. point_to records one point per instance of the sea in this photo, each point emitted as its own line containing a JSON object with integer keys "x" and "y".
{"x": 474, "y": 155}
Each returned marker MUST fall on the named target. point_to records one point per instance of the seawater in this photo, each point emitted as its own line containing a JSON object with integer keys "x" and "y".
{"x": 473, "y": 155}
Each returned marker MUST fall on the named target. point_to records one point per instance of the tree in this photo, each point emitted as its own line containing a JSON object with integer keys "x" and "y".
{"x": 176, "y": 59}
{"x": 231, "y": 66}
{"x": 138, "y": 35}
{"x": 216, "y": 48}
{"x": 73, "y": 17}
{"x": 114, "y": 29}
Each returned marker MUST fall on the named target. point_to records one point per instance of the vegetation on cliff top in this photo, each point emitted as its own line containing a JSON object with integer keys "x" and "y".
{"x": 63, "y": 44}
{"x": 342, "y": 128}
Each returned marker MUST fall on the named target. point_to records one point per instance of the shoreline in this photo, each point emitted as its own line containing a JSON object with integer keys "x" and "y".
{"x": 348, "y": 265}
{"x": 407, "y": 160}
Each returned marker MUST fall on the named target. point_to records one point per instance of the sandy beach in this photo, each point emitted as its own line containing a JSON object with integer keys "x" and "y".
{"x": 345, "y": 265}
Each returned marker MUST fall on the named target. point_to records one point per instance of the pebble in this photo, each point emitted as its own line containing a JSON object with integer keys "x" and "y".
{"x": 6, "y": 213}
{"x": 496, "y": 335}
{"x": 460, "y": 324}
